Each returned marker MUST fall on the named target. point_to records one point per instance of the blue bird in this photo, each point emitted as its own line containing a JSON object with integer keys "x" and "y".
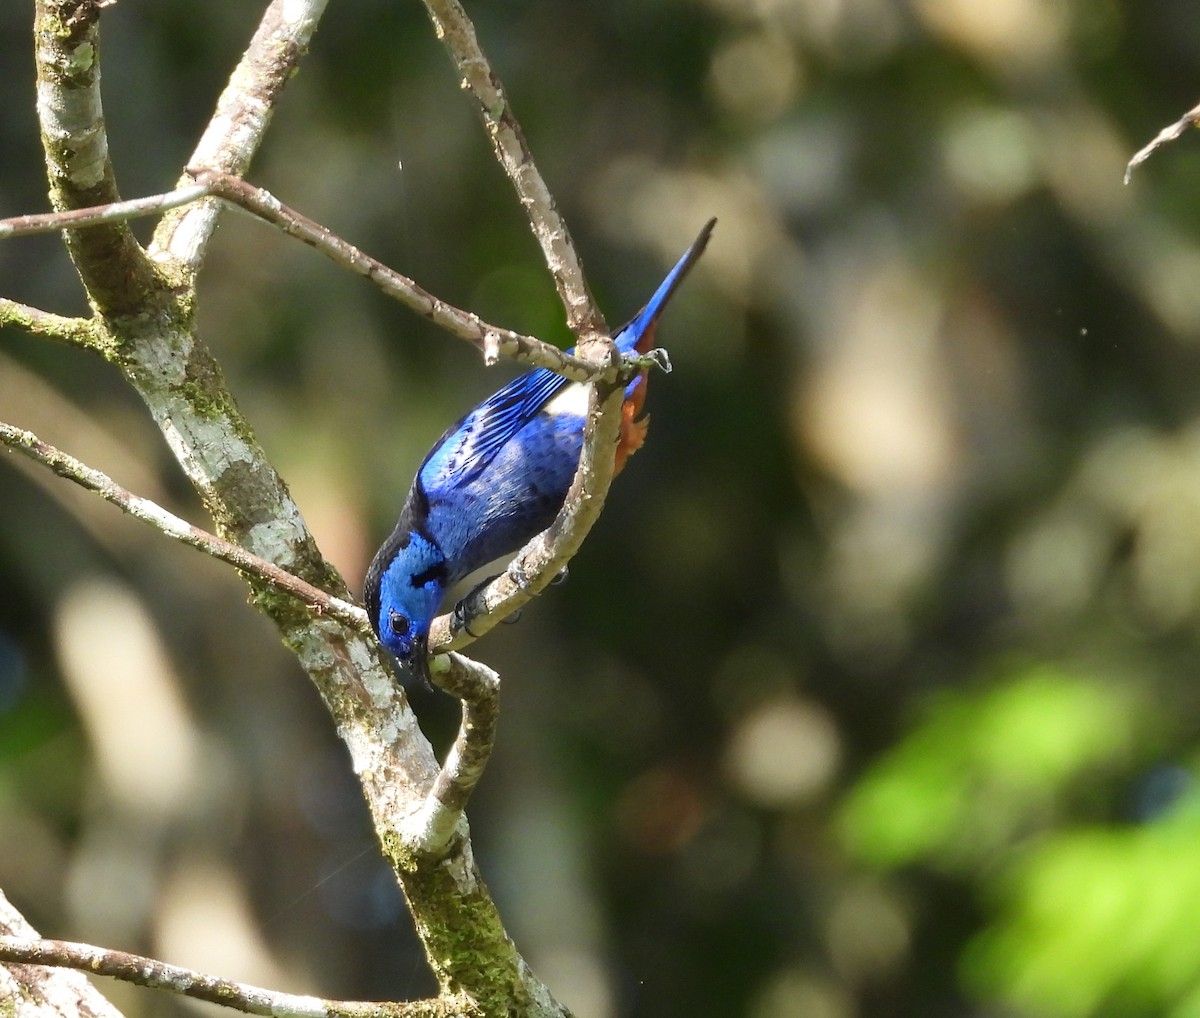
{"x": 495, "y": 480}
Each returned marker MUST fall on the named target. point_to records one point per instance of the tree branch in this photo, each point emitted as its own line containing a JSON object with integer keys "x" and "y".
{"x": 142, "y": 971}
{"x": 491, "y": 340}
{"x": 95, "y": 215}
{"x": 426, "y": 832}
{"x": 114, "y": 269}
{"x": 1168, "y": 134}
{"x": 536, "y": 565}
{"x": 73, "y": 331}
{"x": 430, "y": 829}
{"x": 180, "y": 530}
{"x": 542, "y": 559}
{"x": 244, "y": 110}
{"x": 33, "y": 991}
{"x": 457, "y": 34}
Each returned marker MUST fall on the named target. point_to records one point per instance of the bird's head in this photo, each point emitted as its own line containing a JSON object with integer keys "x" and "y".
{"x": 405, "y": 585}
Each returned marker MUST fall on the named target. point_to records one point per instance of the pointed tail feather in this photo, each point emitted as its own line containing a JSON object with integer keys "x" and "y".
{"x": 641, "y": 328}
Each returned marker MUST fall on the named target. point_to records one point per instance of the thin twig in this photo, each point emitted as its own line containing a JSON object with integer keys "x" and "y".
{"x": 112, "y": 212}
{"x": 491, "y": 340}
{"x": 432, "y": 827}
{"x": 152, "y": 513}
{"x": 457, "y": 34}
{"x": 143, "y": 971}
{"x": 1168, "y": 134}
{"x": 57, "y": 991}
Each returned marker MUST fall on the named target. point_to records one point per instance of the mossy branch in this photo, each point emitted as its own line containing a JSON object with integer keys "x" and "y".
{"x": 35, "y": 321}
{"x": 143, "y": 971}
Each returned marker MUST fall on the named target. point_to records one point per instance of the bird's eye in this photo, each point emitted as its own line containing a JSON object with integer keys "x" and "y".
{"x": 398, "y": 623}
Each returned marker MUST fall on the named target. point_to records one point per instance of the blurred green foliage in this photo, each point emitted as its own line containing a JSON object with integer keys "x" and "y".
{"x": 873, "y": 693}
{"x": 1109, "y": 907}
{"x": 983, "y": 768}
{"x": 983, "y": 786}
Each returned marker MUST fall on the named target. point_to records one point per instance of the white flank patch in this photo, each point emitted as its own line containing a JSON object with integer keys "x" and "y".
{"x": 572, "y": 400}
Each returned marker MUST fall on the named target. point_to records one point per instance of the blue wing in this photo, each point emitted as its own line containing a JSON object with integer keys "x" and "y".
{"x": 468, "y": 447}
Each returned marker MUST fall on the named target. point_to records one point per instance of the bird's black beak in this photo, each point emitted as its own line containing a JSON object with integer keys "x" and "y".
{"x": 418, "y": 661}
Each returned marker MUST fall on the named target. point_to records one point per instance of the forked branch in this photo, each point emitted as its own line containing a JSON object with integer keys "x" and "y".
{"x": 143, "y": 301}
{"x": 429, "y": 829}
{"x": 491, "y": 340}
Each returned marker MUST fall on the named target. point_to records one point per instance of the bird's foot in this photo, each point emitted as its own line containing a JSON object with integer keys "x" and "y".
{"x": 518, "y": 576}
{"x": 656, "y": 358}
{"x": 460, "y": 609}
{"x": 460, "y": 618}
{"x": 462, "y": 622}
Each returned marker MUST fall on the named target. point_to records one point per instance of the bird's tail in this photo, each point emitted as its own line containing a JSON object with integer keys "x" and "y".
{"x": 639, "y": 333}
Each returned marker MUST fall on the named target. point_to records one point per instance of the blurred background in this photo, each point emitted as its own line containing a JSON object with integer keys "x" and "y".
{"x": 875, "y": 692}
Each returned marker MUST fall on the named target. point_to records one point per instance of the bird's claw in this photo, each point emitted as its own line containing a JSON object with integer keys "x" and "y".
{"x": 517, "y": 575}
{"x": 460, "y": 617}
{"x": 656, "y": 358}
